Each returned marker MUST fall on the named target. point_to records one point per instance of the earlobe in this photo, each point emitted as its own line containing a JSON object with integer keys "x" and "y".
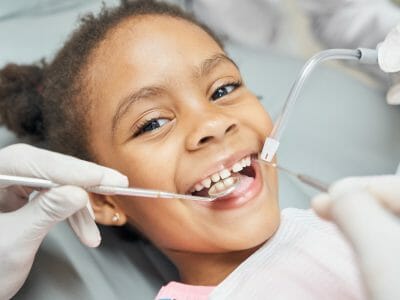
{"x": 107, "y": 211}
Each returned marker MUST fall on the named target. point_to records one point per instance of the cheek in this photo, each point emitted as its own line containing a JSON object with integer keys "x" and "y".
{"x": 256, "y": 118}
{"x": 150, "y": 167}
{"x": 146, "y": 165}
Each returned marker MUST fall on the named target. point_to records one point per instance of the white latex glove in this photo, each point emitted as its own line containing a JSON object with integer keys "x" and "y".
{"x": 389, "y": 62}
{"x": 24, "y": 225}
{"x": 360, "y": 23}
{"x": 367, "y": 210}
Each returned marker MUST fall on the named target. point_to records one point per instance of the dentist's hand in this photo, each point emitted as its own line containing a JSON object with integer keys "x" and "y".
{"x": 367, "y": 210}
{"x": 389, "y": 62}
{"x": 360, "y": 23}
{"x": 23, "y": 224}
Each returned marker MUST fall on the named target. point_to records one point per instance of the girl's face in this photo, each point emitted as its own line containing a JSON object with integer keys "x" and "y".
{"x": 170, "y": 111}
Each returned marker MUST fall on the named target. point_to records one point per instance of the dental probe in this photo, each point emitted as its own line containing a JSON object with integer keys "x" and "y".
{"x": 311, "y": 181}
{"x": 8, "y": 180}
{"x": 362, "y": 55}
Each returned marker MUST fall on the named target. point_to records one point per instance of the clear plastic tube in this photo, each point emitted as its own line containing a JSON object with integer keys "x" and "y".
{"x": 271, "y": 145}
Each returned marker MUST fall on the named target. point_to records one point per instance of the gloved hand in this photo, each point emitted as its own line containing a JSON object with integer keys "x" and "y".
{"x": 24, "y": 225}
{"x": 389, "y": 62}
{"x": 367, "y": 210}
{"x": 360, "y": 23}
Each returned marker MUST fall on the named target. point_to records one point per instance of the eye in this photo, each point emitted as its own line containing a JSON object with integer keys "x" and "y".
{"x": 150, "y": 125}
{"x": 225, "y": 90}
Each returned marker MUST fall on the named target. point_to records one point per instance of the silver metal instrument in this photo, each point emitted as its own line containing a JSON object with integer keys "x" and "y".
{"x": 306, "y": 179}
{"x": 38, "y": 183}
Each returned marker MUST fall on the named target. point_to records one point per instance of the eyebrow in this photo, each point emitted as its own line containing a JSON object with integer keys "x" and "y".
{"x": 142, "y": 94}
{"x": 146, "y": 92}
{"x": 210, "y": 63}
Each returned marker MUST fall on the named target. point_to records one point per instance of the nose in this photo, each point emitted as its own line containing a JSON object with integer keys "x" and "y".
{"x": 211, "y": 128}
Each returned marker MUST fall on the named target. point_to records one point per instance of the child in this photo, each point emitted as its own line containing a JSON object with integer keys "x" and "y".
{"x": 147, "y": 90}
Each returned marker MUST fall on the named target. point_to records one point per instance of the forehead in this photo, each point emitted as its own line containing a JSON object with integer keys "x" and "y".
{"x": 145, "y": 50}
{"x": 153, "y": 42}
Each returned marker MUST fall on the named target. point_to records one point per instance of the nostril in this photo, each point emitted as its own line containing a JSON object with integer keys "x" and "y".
{"x": 231, "y": 128}
{"x": 205, "y": 140}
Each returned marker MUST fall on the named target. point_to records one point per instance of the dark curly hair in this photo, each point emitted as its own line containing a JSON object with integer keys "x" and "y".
{"x": 47, "y": 102}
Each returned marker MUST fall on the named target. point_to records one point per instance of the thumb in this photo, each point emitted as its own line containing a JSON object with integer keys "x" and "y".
{"x": 322, "y": 205}
{"x": 50, "y": 207}
{"x": 387, "y": 190}
{"x": 85, "y": 228}
{"x": 388, "y": 52}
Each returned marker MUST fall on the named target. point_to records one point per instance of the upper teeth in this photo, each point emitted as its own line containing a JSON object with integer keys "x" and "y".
{"x": 223, "y": 174}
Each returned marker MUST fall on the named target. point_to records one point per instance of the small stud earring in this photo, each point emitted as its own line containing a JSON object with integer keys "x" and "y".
{"x": 115, "y": 218}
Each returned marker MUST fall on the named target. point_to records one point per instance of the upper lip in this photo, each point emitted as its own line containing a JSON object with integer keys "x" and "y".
{"x": 225, "y": 162}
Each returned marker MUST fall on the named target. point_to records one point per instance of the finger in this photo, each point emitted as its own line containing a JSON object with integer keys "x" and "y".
{"x": 344, "y": 186}
{"x": 322, "y": 205}
{"x": 393, "y": 95}
{"x": 49, "y": 208}
{"x": 387, "y": 190}
{"x": 85, "y": 228}
{"x": 374, "y": 234}
{"x": 388, "y": 52}
{"x": 60, "y": 168}
{"x": 363, "y": 219}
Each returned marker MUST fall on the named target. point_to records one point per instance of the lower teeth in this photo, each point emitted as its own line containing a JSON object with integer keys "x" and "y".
{"x": 221, "y": 185}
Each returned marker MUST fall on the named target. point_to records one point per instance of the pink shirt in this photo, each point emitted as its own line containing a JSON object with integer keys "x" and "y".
{"x": 307, "y": 258}
{"x": 180, "y": 291}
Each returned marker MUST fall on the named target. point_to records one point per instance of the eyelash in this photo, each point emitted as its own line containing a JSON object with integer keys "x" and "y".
{"x": 235, "y": 85}
{"x": 140, "y": 128}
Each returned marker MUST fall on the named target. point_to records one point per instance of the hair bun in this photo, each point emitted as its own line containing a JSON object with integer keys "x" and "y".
{"x": 21, "y": 99}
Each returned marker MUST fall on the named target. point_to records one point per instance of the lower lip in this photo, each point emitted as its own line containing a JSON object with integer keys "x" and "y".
{"x": 239, "y": 197}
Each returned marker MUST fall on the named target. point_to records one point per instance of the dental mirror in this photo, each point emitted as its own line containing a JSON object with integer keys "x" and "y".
{"x": 214, "y": 193}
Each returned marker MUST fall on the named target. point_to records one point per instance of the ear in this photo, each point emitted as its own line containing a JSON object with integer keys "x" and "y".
{"x": 107, "y": 211}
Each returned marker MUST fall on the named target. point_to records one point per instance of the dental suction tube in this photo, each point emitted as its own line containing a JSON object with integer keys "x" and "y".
{"x": 363, "y": 55}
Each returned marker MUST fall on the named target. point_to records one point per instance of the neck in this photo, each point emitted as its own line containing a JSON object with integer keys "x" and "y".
{"x": 207, "y": 269}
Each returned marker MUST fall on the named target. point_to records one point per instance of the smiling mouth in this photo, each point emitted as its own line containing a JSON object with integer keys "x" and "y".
{"x": 220, "y": 181}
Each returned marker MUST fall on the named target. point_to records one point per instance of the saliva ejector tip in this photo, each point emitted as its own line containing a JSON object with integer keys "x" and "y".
{"x": 269, "y": 150}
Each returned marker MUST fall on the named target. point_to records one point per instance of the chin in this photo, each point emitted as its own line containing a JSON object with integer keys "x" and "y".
{"x": 256, "y": 231}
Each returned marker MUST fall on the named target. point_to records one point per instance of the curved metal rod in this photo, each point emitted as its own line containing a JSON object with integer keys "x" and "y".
{"x": 367, "y": 56}
{"x": 311, "y": 64}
